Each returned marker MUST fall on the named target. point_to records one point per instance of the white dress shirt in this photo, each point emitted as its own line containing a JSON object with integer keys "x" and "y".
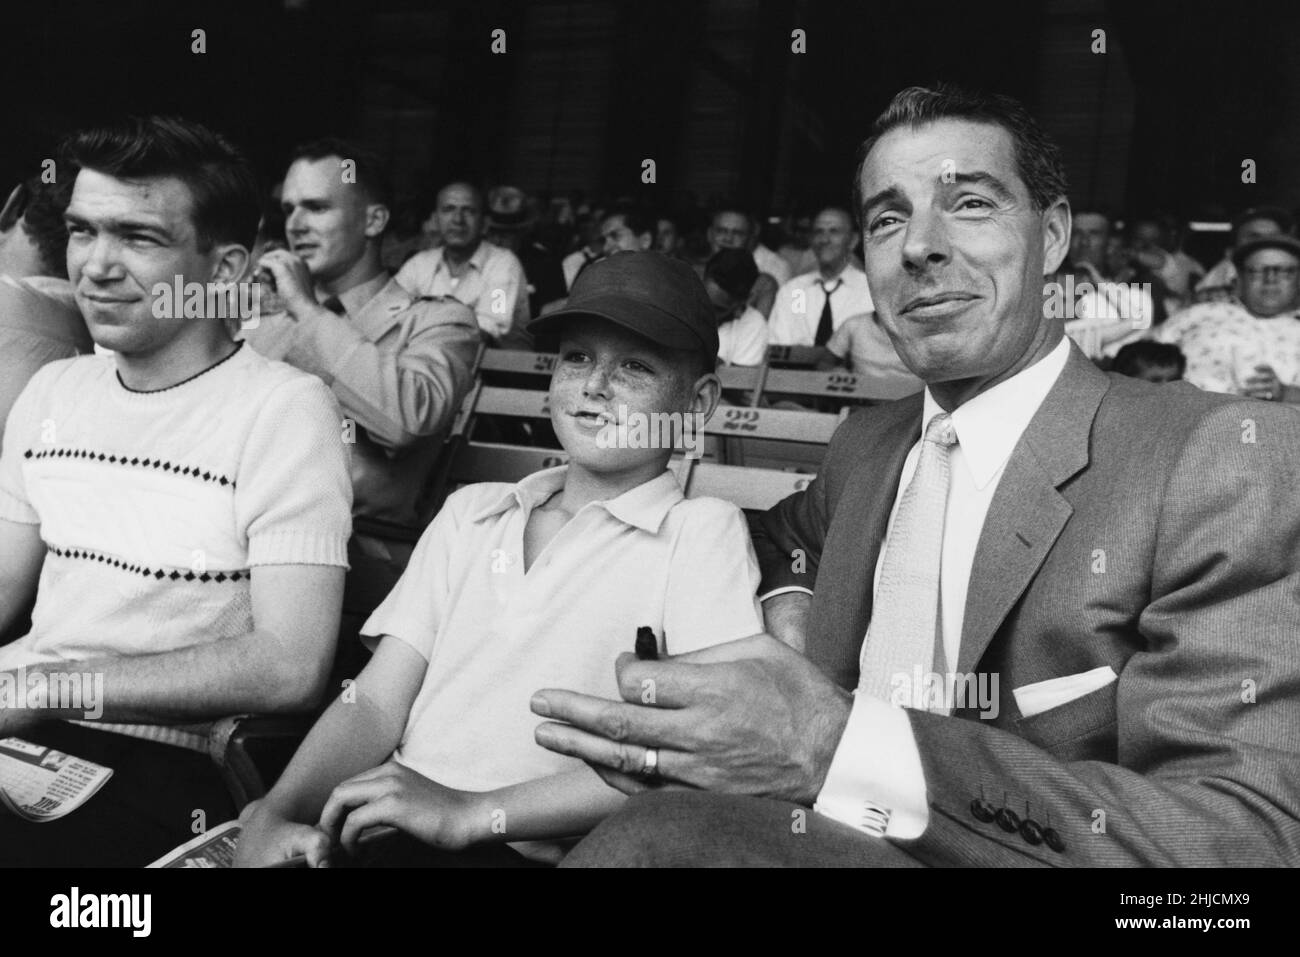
{"x": 743, "y": 341}
{"x": 573, "y": 263}
{"x": 798, "y": 307}
{"x": 772, "y": 264}
{"x": 875, "y": 775}
{"x": 493, "y": 285}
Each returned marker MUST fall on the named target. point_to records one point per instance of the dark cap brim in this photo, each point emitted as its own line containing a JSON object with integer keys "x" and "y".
{"x": 645, "y": 320}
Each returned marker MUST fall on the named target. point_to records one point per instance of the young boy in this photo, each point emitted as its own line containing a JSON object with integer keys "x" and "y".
{"x": 519, "y": 587}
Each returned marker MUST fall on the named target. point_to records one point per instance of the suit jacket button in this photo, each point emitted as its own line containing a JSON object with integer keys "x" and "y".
{"x": 982, "y": 810}
{"x": 1031, "y": 831}
{"x": 1007, "y": 819}
{"x": 1053, "y": 840}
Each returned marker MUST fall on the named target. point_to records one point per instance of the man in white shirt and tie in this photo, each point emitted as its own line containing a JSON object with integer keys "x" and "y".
{"x": 810, "y": 308}
{"x": 1080, "y": 580}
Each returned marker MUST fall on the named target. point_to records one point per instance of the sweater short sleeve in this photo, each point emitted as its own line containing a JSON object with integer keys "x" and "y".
{"x": 293, "y": 493}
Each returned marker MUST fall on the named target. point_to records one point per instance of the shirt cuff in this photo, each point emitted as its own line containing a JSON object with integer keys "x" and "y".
{"x": 323, "y": 344}
{"x": 783, "y": 590}
{"x": 875, "y": 783}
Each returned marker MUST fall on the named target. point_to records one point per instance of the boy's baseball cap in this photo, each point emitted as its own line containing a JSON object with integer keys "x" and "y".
{"x": 647, "y": 293}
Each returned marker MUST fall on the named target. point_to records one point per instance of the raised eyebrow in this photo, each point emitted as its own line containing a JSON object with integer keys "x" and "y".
{"x": 981, "y": 178}
{"x": 891, "y": 194}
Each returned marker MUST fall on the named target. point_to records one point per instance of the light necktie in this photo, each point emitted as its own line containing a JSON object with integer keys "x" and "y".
{"x": 825, "y": 326}
{"x": 901, "y": 640}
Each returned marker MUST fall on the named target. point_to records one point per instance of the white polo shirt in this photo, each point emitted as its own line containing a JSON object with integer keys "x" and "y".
{"x": 494, "y": 635}
{"x": 493, "y": 286}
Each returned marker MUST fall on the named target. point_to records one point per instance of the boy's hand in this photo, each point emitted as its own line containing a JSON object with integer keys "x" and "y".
{"x": 394, "y": 795}
{"x": 266, "y": 838}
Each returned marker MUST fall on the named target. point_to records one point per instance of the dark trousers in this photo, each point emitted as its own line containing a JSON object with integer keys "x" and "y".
{"x": 145, "y": 809}
{"x": 698, "y": 829}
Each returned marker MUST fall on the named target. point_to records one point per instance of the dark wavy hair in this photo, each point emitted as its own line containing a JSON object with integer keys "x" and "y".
{"x": 227, "y": 198}
{"x": 39, "y": 207}
{"x": 1038, "y": 159}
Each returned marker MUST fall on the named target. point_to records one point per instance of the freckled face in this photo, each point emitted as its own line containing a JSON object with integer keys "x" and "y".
{"x": 601, "y": 368}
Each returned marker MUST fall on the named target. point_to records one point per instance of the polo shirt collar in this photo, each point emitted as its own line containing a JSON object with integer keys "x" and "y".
{"x": 643, "y": 507}
{"x": 990, "y": 425}
{"x": 477, "y": 261}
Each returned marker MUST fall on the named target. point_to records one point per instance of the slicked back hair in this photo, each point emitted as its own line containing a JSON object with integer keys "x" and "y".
{"x": 637, "y": 219}
{"x": 1038, "y": 159}
{"x": 225, "y": 192}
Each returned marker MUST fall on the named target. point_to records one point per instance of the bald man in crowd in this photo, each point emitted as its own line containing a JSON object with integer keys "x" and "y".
{"x": 469, "y": 269}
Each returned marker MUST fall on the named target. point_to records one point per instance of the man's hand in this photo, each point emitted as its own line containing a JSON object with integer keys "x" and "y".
{"x": 747, "y": 717}
{"x": 1263, "y": 384}
{"x": 394, "y": 795}
{"x": 293, "y": 282}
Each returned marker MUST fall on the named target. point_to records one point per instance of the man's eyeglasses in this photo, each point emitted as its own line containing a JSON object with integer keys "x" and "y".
{"x": 1273, "y": 272}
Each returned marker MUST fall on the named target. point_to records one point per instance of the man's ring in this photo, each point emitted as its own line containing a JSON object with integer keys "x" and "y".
{"x": 650, "y": 763}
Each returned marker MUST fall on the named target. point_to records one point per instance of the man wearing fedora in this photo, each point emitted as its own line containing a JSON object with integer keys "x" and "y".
{"x": 1220, "y": 282}
{"x": 469, "y": 269}
{"x": 1251, "y": 346}
{"x": 512, "y": 225}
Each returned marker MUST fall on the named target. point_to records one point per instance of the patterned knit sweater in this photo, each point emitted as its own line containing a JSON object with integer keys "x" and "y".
{"x": 155, "y": 506}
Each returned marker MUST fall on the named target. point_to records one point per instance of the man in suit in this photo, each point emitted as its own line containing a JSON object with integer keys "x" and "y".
{"x": 1080, "y": 644}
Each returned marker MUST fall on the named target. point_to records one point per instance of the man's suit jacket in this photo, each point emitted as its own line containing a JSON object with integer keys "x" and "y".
{"x": 1151, "y": 529}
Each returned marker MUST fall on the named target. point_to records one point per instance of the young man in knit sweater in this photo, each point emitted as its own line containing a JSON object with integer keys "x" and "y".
{"x": 518, "y": 587}
{"x": 179, "y": 510}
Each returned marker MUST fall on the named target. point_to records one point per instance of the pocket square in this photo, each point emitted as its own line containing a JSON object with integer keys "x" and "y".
{"x": 1044, "y": 695}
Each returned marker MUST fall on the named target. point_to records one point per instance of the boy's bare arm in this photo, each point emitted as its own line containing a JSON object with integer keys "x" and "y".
{"x": 358, "y": 731}
{"x": 557, "y": 806}
{"x": 561, "y": 805}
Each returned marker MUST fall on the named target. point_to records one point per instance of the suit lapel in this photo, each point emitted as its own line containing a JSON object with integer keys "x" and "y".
{"x": 1028, "y": 512}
